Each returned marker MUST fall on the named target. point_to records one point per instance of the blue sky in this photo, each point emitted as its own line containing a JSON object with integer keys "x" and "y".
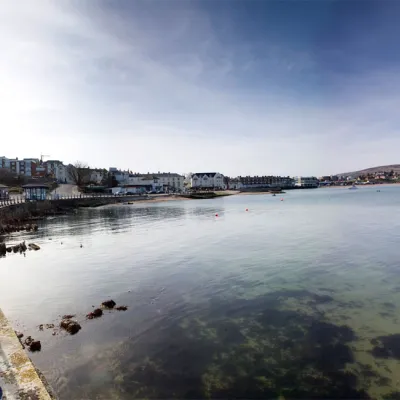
{"x": 239, "y": 87}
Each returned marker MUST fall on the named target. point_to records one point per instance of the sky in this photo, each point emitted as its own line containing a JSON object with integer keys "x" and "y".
{"x": 238, "y": 87}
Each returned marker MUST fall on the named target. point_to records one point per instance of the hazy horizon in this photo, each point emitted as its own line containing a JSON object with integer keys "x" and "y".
{"x": 238, "y": 87}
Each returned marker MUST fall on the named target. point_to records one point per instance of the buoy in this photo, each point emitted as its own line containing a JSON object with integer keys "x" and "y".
{"x": 282, "y": 199}
{"x": 216, "y": 215}
{"x": 247, "y": 209}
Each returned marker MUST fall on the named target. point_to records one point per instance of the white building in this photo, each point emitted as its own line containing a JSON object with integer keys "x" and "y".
{"x": 306, "y": 181}
{"x": 138, "y": 183}
{"x": 161, "y": 181}
{"x": 97, "y": 175}
{"x": 235, "y": 184}
{"x": 207, "y": 180}
{"x": 170, "y": 181}
{"x": 57, "y": 170}
{"x": 120, "y": 176}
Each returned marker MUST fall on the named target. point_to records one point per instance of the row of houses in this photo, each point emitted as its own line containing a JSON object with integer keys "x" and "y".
{"x": 206, "y": 180}
{"x": 361, "y": 178}
{"x": 128, "y": 181}
{"x": 35, "y": 168}
{"x": 53, "y": 169}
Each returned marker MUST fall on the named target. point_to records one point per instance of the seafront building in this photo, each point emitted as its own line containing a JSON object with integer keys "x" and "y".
{"x": 170, "y": 180}
{"x": 207, "y": 180}
{"x": 138, "y": 183}
{"x": 249, "y": 182}
{"x": 306, "y": 181}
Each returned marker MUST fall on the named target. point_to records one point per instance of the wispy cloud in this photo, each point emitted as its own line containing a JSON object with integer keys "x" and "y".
{"x": 158, "y": 88}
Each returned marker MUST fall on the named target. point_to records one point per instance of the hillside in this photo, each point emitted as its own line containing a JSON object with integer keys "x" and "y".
{"x": 383, "y": 168}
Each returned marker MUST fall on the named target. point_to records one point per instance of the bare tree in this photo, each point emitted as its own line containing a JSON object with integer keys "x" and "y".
{"x": 79, "y": 173}
{"x": 8, "y": 178}
{"x": 226, "y": 181}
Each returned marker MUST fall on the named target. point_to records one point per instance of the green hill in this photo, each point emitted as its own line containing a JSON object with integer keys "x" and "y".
{"x": 372, "y": 170}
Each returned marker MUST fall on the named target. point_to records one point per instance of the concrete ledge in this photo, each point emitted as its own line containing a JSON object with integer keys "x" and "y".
{"x": 18, "y": 377}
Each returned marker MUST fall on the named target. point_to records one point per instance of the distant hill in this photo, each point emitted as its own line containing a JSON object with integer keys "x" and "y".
{"x": 383, "y": 168}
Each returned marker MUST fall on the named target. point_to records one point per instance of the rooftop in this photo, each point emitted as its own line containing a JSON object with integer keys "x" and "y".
{"x": 167, "y": 175}
{"x": 148, "y": 176}
{"x": 209, "y": 174}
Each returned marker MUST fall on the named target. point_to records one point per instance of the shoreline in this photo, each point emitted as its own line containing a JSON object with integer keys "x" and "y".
{"x": 259, "y": 193}
{"x": 155, "y": 200}
{"x": 358, "y": 186}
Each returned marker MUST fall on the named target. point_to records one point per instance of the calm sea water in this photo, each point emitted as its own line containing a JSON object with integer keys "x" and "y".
{"x": 294, "y": 298}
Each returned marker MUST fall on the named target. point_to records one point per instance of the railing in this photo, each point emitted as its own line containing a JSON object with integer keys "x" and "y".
{"x": 11, "y": 201}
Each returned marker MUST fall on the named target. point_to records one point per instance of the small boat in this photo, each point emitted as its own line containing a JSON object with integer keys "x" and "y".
{"x": 353, "y": 187}
{"x": 274, "y": 194}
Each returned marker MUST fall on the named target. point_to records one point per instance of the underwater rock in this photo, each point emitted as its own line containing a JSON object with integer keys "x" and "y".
{"x": 20, "y": 335}
{"x": 28, "y": 341}
{"x": 95, "y": 314}
{"x": 70, "y": 326}
{"x": 108, "y": 304}
{"x": 35, "y": 346}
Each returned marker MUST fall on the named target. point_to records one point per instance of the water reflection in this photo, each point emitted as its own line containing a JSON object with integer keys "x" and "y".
{"x": 113, "y": 219}
{"x": 278, "y": 301}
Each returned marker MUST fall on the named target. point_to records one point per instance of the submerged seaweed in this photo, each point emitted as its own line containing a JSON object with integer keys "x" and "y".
{"x": 260, "y": 348}
{"x": 386, "y": 346}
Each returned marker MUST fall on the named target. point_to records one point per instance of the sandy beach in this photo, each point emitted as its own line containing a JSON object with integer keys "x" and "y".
{"x": 256, "y": 193}
{"x": 160, "y": 199}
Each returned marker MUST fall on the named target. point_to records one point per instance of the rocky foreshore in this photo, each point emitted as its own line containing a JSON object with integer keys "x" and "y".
{"x": 17, "y": 226}
{"x": 68, "y": 324}
{"x": 17, "y": 248}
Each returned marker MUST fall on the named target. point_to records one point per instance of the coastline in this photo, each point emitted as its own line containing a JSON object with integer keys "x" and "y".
{"x": 155, "y": 200}
{"x": 359, "y": 186}
{"x": 257, "y": 193}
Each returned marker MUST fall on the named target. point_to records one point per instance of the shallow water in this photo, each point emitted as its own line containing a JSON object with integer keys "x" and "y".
{"x": 295, "y": 298}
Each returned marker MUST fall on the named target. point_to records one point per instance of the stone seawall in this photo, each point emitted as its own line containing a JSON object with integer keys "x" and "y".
{"x": 18, "y": 377}
{"x": 22, "y": 212}
{"x": 25, "y": 211}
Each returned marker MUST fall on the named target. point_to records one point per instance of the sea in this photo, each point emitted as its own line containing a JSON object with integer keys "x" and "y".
{"x": 248, "y": 296}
